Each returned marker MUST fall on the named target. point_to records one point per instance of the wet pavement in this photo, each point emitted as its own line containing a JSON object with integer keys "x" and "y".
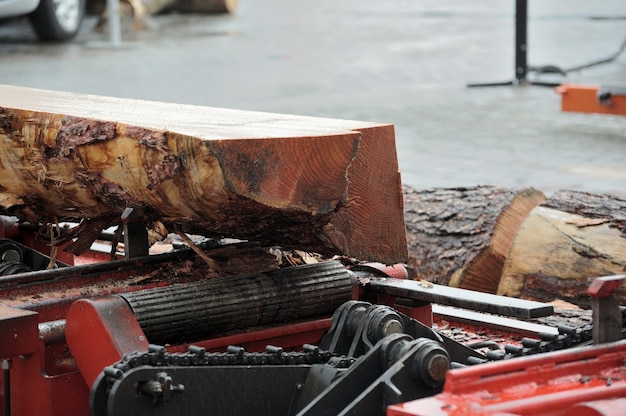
{"x": 403, "y": 62}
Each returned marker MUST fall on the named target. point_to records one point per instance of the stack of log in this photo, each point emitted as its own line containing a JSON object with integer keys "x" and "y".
{"x": 517, "y": 243}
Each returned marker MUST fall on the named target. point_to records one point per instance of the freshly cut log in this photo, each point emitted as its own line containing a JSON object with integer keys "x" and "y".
{"x": 461, "y": 236}
{"x": 323, "y": 185}
{"x": 563, "y": 245}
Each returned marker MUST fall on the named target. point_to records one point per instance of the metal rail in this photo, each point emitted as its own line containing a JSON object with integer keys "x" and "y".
{"x": 461, "y": 298}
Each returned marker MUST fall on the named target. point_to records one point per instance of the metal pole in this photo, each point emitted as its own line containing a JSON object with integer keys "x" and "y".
{"x": 521, "y": 47}
{"x": 607, "y": 316}
{"x": 6, "y": 367}
{"x": 115, "y": 31}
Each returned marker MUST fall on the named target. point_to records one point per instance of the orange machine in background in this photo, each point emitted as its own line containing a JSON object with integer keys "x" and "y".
{"x": 592, "y": 99}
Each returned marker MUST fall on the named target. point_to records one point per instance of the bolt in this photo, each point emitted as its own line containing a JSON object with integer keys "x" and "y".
{"x": 392, "y": 326}
{"x": 113, "y": 372}
{"x": 437, "y": 367}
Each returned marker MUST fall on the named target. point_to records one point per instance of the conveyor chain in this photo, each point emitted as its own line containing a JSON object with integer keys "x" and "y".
{"x": 157, "y": 356}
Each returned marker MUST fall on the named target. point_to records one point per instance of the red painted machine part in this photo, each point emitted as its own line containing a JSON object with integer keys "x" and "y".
{"x": 612, "y": 407}
{"x": 605, "y": 286}
{"x": 44, "y": 384}
{"x": 99, "y": 332}
{"x": 547, "y": 384}
{"x": 19, "y": 332}
{"x": 288, "y": 337}
{"x": 34, "y": 392}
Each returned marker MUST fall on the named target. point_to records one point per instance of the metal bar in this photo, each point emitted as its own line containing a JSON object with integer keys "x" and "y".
{"x": 521, "y": 52}
{"x": 6, "y": 369}
{"x": 607, "y": 316}
{"x": 52, "y": 332}
{"x": 135, "y": 233}
{"x": 494, "y": 322}
{"x": 62, "y": 277}
{"x": 521, "y": 35}
{"x": 461, "y": 298}
{"x": 115, "y": 31}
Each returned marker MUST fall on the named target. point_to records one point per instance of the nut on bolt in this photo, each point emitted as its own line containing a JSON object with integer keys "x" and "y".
{"x": 431, "y": 364}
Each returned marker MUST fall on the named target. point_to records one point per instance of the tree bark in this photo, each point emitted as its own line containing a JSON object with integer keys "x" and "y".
{"x": 563, "y": 245}
{"x": 324, "y": 185}
{"x": 461, "y": 236}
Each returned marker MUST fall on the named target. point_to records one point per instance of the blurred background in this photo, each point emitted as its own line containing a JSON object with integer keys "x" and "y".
{"x": 402, "y": 62}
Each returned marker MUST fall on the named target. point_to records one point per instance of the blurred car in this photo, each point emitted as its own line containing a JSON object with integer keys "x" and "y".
{"x": 53, "y": 20}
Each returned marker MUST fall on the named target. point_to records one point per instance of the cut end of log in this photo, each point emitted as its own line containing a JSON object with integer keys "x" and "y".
{"x": 460, "y": 236}
{"x": 485, "y": 271}
{"x": 553, "y": 257}
{"x": 324, "y": 185}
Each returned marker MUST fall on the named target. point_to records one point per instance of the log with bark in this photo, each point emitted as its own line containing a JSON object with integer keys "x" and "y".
{"x": 461, "y": 236}
{"x": 324, "y": 185}
{"x": 564, "y": 244}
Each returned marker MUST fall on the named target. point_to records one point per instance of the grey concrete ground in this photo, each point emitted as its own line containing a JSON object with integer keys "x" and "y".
{"x": 405, "y": 62}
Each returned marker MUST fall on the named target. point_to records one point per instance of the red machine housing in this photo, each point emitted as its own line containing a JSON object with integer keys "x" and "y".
{"x": 46, "y": 378}
{"x": 581, "y": 381}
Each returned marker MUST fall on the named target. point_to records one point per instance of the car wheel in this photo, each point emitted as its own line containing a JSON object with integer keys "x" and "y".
{"x": 58, "y": 19}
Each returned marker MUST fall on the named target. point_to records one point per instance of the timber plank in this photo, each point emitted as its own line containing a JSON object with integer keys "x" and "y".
{"x": 325, "y": 185}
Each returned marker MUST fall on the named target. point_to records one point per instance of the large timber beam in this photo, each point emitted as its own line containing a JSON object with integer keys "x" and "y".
{"x": 324, "y": 185}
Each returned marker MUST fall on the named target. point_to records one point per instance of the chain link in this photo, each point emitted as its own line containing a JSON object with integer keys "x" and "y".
{"x": 157, "y": 356}
{"x": 567, "y": 337}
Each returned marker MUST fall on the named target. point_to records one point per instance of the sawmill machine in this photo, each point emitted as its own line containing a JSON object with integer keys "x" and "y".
{"x": 148, "y": 335}
{"x": 277, "y": 285}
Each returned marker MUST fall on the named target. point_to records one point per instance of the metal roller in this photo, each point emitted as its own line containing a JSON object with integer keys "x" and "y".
{"x": 192, "y": 311}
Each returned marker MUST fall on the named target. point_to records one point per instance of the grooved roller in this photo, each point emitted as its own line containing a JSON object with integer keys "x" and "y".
{"x": 192, "y": 311}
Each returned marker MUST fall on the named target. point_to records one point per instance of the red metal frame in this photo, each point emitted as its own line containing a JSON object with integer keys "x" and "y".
{"x": 99, "y": 332}
{"x": 19, "y": 330}
{"x": 47, "y": 379}
{"x": 551, "y": 384}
